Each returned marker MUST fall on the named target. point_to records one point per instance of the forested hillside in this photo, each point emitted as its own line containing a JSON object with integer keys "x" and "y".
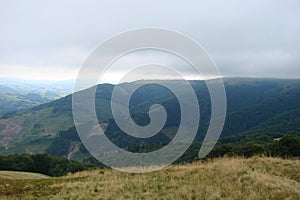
{"x": 256, "y": 108}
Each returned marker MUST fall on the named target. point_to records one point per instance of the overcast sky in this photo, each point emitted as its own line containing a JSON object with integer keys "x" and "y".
{"x": 49, "y": 40}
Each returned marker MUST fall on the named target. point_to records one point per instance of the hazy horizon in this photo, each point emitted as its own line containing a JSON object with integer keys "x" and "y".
{"x": 4, "y": 80}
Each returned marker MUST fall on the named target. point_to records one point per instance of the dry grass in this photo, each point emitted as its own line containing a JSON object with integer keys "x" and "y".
{"x": 225, "y": 178}
{"x": 20, "y": 175}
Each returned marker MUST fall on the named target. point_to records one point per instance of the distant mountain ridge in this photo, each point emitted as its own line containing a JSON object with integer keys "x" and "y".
{"x": 19, "y": 95}
{"x": 253, "y": 106}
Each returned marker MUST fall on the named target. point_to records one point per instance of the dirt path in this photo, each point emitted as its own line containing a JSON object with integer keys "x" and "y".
{"x": 74, "y": 147}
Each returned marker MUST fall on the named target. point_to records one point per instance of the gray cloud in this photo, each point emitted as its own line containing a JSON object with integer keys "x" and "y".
{"x": 245, "y": 38}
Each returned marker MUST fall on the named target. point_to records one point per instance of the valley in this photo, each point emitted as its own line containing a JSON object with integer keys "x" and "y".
{"x": 17, "y": 96}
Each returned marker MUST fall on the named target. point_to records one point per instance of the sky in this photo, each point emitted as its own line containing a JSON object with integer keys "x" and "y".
{"x": 49, "y": 40}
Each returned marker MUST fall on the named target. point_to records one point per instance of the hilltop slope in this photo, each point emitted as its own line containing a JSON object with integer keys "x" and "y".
{"x": 12, "y": 175}
{"x": 225, "y": 178}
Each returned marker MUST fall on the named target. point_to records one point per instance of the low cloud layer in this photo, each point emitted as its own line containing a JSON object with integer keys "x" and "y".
{"x": 50, "y": 40}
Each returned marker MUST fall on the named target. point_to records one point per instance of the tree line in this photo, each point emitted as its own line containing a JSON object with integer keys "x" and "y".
{"x": 41, "y": 163}
{"x": 286, "y": 146}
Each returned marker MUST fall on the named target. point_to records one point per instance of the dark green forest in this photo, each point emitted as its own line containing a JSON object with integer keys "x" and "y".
{"x": 286, "y": 147}
{"x": 41, "y": 163}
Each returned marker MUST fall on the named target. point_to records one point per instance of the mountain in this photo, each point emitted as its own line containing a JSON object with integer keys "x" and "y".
{"x": 254, "y": 106}
{"x": 20, "y": 95}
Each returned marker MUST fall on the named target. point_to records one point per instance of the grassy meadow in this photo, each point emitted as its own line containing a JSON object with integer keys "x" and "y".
{"x": 20, "y": 175}
{"x": 222, "y": 178}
